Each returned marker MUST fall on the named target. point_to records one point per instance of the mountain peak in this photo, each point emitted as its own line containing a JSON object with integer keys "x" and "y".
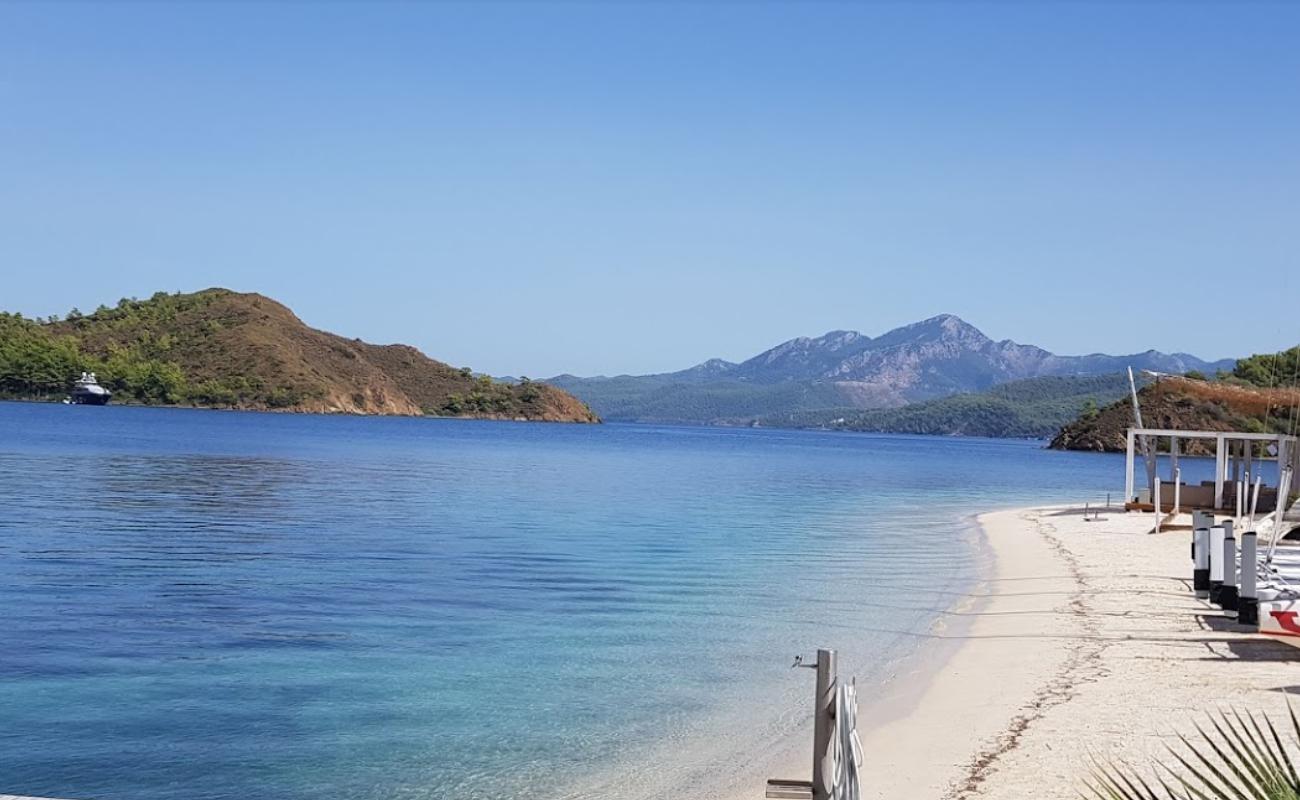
{"x": 944, "y": 327}
{"x": 713, "y": 365}
{"x": 837, "y": 339}
{"x": 947, "y": 322}
{"x": 934, "y": 357}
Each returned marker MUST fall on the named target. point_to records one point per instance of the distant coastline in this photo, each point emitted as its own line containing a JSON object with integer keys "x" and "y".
{"x": 46, "y": 401}
{"x": 222, "y": 349}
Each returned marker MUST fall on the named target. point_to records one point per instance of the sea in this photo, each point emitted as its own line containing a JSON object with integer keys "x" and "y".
{"x": 205, "y": 604}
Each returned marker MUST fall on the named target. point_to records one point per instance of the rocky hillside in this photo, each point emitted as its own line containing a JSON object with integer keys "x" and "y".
{"x": 219, "y": 348}
{"x": 1184, "y": 404}
{"x": 934, "y": 358}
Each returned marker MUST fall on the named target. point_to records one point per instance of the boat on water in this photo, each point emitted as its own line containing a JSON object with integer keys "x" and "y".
{"x": 86, "y": 391}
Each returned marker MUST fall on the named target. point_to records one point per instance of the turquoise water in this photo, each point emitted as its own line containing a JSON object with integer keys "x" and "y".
{"x": 236, "y": 605}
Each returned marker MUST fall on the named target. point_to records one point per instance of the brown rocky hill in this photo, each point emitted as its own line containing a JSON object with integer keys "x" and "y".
{"x": 227, "y": 349}
{"x": 1177, "y": 403}
{"x": 433, "y": 385}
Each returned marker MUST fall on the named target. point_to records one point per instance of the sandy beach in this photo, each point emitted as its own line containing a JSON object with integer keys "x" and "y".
{"x": 1084, "y": 642}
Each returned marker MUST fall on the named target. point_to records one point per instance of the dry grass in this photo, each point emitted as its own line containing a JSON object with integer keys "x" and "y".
{"x": 1240, "y": 399}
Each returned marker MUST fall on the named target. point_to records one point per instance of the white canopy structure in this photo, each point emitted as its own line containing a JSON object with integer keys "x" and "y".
{"x": 1235, "y": 454}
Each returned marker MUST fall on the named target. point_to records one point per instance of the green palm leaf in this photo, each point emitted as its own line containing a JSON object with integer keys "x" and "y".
{"x": 1234, "y": 757}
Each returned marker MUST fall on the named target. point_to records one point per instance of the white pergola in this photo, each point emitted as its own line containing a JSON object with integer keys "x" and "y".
{"x": 1286, "y": 451}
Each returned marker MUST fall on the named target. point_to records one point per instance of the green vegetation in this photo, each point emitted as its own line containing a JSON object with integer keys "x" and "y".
{"x": 38, "y": 362}
{"x": 1031, "y": 408}
{"x": 218, "y": 348}
{"x": 487, "y": 397}
{"x": 131, "y": 348}
{"x": 1260, "y": 396}
{"x": 721, "y": 402}
{"x": 1268, "y": 370}
{"x": 1239, "y": 756}
{"x": 32, "y": 362}
{"x": 1035, "y": 407}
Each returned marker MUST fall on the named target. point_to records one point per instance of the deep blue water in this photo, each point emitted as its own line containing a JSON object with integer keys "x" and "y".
{"x": 234, "y": 605}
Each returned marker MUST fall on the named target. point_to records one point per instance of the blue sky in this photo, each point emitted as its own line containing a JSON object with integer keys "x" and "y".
{"x": 600, "y": 188}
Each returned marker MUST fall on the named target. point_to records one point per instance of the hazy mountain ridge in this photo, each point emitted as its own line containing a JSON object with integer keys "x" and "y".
{"x": 940, "y": 356}
{"x": 1029, "y": 408}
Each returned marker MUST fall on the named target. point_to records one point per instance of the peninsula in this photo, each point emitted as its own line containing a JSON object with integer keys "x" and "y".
{"x": 222, "y": 349}
{"x": 1259, "y": 395}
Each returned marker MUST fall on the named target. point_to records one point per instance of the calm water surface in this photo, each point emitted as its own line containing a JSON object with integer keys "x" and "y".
{"x": 234, "y": 605}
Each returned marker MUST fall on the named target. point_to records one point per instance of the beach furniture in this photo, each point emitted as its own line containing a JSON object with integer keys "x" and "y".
{"x": 1216, "y": 562}
{"x": 1276, "y": 605}
{"x": 1262, "y": 588}
{"x": 1201, "y": 562}
{"x": 1228, "y": 589}
{"x": 1278, "y": 593}
{"x": 1276, "y": 609}
{"x": 1280, "y": 614}
{"x": 1248, "y": 596}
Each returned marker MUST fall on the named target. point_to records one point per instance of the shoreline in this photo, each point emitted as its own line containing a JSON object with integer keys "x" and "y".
{"x": 1082, "y": 642}
{"x": 739, "y": 769}
{"x": 938, "y": 720}
{"x": 303, "y": 412}
{"x": 1000, "y": 677}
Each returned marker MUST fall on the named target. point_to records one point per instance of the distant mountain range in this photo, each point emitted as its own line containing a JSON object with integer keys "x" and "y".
{"x": 934, "y": 358}
{"x": 1024, "y": 409}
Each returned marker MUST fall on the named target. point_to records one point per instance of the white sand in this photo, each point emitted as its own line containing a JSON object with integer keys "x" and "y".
{"x": 1085, "y": 642}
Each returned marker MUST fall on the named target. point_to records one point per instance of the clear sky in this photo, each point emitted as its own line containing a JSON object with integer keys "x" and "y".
{"x": 629, "y": 187}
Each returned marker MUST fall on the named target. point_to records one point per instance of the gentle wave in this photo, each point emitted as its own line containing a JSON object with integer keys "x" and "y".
{"x": 257, "y": 605}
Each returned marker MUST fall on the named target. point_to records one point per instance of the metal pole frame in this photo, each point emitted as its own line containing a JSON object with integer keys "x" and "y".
{"x": 823, "y": 721}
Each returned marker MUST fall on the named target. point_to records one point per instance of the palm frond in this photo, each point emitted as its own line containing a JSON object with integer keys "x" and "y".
{"x": 1235, "y": 757}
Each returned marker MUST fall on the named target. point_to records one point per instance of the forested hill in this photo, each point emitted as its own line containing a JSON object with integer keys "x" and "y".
{"x": 1031, "y": 408}
{"x": 666, "y": 400}
{"x": 223, "y": 349}
{"x": 1261, "y": 394}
